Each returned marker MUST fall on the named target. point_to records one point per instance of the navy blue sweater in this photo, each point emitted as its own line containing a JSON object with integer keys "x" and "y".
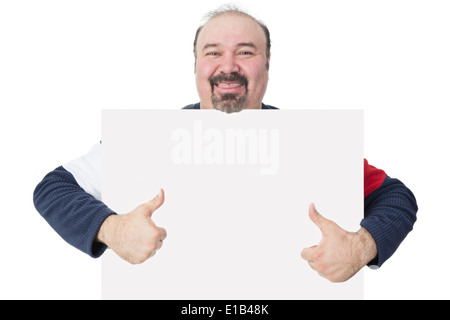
{"x": 390, "y": 209}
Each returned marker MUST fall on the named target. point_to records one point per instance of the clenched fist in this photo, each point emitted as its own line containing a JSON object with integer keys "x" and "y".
{"x": 134, "y": 236}
{"x": 340, "y": 254}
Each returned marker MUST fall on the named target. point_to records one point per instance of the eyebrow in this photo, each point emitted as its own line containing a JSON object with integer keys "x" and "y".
{"x": 246, "y": 44}
{"x": 211, "y": 45}
{"x": 240, "y": 44}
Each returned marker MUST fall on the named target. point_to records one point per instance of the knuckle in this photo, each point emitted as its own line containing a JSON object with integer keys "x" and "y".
{"x": 163, "y": 233}
{"x": 152, "y": 246}
{"x": 139, "y": 259}
{"x": 316, "y": 256}
{"x": 323, "y": 268}
{"x": 334, "y": 279}
{"x": 337, "y": 278}
{"x": 144, "y": 256}
{"x": 157, "y": 234}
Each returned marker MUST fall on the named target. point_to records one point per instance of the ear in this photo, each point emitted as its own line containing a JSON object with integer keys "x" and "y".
{"x": 268, "y": 62}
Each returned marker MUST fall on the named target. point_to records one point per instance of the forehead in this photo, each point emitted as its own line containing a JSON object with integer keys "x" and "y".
{"x": 231, "y": 29}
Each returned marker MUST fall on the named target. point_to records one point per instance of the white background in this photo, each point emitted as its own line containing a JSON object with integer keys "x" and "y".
{"x": 62, "y": 62}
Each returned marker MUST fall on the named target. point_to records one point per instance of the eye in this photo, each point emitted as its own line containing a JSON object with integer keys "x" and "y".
{"x": 213, "y": 54}
{"x": 245, "y": 53}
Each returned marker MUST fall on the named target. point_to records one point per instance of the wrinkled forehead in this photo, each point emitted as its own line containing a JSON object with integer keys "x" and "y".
{"x": 230, "y": 30}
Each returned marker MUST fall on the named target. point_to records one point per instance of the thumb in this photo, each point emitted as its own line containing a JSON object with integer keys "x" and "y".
{"x": 155, "y": 203}
{"x": 317, "y": 218}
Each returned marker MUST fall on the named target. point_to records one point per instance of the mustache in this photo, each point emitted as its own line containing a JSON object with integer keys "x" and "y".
{"x": 234, "y": 76}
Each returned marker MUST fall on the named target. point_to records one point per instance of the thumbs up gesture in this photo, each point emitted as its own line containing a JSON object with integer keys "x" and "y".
{"x": 134, "y": 236}
{"x": 340, "y": 254}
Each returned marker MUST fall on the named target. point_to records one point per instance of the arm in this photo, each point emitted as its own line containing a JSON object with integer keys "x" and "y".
{"x": 73, "y": 213}
{"x": 389, "y": 215}
{"x": 69, "y": 199}
{"x": 389, "y": 212}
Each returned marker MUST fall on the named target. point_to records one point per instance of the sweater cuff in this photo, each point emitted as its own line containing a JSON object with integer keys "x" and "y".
{"x": 380, "y": 240}
{"x": 375, "y": 262}
{"x": 93, "y": 248}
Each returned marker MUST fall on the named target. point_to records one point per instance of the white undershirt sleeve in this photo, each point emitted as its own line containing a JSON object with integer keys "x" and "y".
{"x": 87, "y": 171}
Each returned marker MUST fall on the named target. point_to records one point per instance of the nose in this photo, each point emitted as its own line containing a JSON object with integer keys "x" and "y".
{"x": 229, "y": 64}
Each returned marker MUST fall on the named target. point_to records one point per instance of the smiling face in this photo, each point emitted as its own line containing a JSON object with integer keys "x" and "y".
{"x": 231, "y": 64}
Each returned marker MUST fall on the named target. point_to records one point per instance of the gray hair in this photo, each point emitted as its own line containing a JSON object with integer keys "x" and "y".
{"x": 230, "y": 9}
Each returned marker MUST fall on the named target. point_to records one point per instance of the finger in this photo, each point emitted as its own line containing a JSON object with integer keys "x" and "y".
{"x": 163, "y": 233}
{"x": 314, "y": 214}
{"x": 155, "y": 203}
{"x": 161, "y": 237}
{"x": 312, "y": 265}
{"x": 159, "y": 244}
{"x": 317, "y": 218}
{"x": 307, "y": 253}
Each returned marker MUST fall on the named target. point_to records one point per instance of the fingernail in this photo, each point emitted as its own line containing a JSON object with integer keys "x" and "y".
{"x": 158, "y": 195}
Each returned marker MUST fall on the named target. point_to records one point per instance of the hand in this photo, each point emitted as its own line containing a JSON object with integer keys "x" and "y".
{"x": 134, "y": 236}
{"x": 340, "y": 254}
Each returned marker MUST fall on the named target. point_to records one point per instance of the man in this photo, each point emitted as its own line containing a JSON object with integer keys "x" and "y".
{"x": 232, "y": 59}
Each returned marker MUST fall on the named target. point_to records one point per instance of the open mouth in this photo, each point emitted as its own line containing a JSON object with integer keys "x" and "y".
{"x": 229, "y": 87}
{"x": 231, "y": 83}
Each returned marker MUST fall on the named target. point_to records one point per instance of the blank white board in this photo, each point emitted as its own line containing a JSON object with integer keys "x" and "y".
{"x": 237, "y": 191}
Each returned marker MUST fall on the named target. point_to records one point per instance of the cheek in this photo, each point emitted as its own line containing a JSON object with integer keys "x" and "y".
{"x": 258, "y": 76}
{"x": 203, "y": 71}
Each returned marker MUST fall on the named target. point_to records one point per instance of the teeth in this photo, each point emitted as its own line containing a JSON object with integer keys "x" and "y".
{"x": 227, "y": 85}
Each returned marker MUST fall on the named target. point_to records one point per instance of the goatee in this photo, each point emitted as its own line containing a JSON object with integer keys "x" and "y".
{"x": 229, "y": 102}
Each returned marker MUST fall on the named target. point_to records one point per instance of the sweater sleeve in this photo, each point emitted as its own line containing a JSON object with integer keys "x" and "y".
{"x": 74, "y": 212}
{"x": 390, "y": 210}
